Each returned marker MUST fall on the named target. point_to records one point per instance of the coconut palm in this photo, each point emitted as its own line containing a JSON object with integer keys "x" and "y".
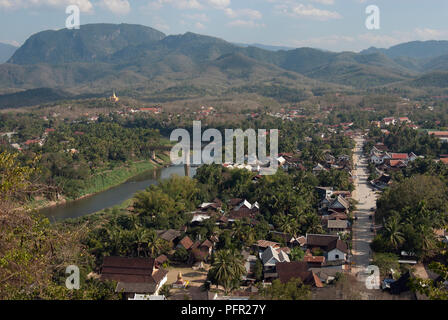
{"x": 227, "y": 269}
{"x": 154, "y": 243}
{"x": 393, "y": 232}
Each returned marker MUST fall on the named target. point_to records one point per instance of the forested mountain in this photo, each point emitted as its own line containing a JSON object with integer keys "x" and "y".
{"x": 6, "y": 51}
{"x": 99, "y": 57}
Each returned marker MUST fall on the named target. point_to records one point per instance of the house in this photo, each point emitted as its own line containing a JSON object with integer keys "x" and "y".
{"x": 290, "y": 240}
{"x": 199, "y": 217}
{"x": 250, "y": 262}
{"x": 287, "y": 271}
{"x": 441, "y": 135}
{"x": 318, "y": 169}
{"x": 145, "y": 297}
{"x": 334, "y": 248}
{"x": 324, "y": 192}
{"x": 335, "y": 226}
{"x": 314, "y": 261}
{"x": 270, "y": 257}
{"x": 160, "y": 260}
{"x": 243, "y": 209}
{"x": 382, "y": 182}
{"x": 154, "y": 110}
{"x": 326, "y": 274}
{"x": 134, "y": 275}
{"x": 185, "y": 243}
{"x": 338, "y": 204}
{"x": 215, "y": 206}
{"x": 378, "y": 157}
{"x": 169, "y": 236}
{"x": 206, "y": 247}
{"x": 389, "y": 121}
{"x": 262, "y": 245}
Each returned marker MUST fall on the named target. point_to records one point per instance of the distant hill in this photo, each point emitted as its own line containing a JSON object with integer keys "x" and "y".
{"x": 31, "y": 97}
{"x": 265, "y": 46}
{"x": 438, "y": 79}
{"x": 91, "y": 43}
{"x": 99, "y": 57}
{"x": 6, "y": 52}
{"x": 414, "y": 49}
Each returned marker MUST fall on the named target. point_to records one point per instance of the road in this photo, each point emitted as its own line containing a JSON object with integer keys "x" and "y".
{"x": 366, "y": 197}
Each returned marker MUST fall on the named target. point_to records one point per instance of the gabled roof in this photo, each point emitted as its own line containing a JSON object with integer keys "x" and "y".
{"x": 397, "y": 163}
{"x": 340, "y": 200}
{"x": 399, "y": 156}
{"x": 337, "y": 224}
{"x": 186, "y": 242}
{"x": 297, "y": 270}
{"x": 169, "y": 235}
{"x": 207, "y": 244}
{"x": 320, "y": 240}
{"x": 270, "y": 252}
{"x": 139, "y": 287}
{"x": 242, "y": 213}
{"x": 338, "y": 244}
{"x": 314, "y": 259}
{"x": 266, "y": 243}
{"x": 131, "y": 270}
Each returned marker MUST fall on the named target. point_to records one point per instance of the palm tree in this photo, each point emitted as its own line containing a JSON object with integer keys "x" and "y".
{"x": 428, "y": 239}
{"x": 238, "y": 229}
{"x": 227, "y": 269}
{"x": 393, "y": 232}
{"x": 142, "y": 238}
{"x": 154, "y": 243}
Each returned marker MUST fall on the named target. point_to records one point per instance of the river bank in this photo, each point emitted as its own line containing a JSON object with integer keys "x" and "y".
{"x": 104, "y": 181}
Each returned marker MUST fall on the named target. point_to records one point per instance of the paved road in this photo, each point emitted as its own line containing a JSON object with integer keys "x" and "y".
{"x": 366, "y": 197}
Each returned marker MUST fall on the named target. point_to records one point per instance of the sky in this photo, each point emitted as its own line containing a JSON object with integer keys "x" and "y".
{"x": 336, "y": 25}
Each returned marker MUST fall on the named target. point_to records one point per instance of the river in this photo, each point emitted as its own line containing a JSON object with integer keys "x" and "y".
{"x": 113, "y": 196}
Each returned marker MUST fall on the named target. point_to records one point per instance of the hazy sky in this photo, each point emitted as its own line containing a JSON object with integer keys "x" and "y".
{"x": 328, "y": 24}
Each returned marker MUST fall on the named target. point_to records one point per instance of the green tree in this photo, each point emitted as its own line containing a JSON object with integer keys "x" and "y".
{"x": 227, "y": 269}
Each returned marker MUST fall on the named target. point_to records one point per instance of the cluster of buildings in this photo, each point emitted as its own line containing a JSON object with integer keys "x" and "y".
{"x": 334, "y": 209}
{"x": 385, "y": 160}
{"x": 324, "y": 257}
{"x": 393, "y": 121}
{"x": 341, "y": 162}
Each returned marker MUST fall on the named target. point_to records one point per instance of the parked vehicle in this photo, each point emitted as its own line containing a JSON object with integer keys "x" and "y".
{"x": 386, "y": 283}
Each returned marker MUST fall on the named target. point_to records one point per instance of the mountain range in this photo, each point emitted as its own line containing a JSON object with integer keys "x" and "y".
{"x": 99, "y": 57}
{"x": 6, "y": 51}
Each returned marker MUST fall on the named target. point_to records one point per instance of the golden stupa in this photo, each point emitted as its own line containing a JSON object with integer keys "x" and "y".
{"x": 114, "y": 98}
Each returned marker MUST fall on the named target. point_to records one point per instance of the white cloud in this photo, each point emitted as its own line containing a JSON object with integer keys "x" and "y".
{"x": 199, "y": 25}
{"x": 11, "y": 42}
{"x": 179, "y": 4}
{"x": 327, "y": 2}
{"x": 220, "y": 4}
{"x": 202, "y": 17}
{"x": 368, "y": 39}
{"x": 243, "y": 13}
{"x": 245, "y": 24}
{"x": 308, "y": 11}
{"x": 117, "y": 6}
{"x": 84, "y": 5}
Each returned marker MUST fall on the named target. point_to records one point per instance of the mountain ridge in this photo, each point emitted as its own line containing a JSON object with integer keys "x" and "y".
{"x": 104, "y": 56}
